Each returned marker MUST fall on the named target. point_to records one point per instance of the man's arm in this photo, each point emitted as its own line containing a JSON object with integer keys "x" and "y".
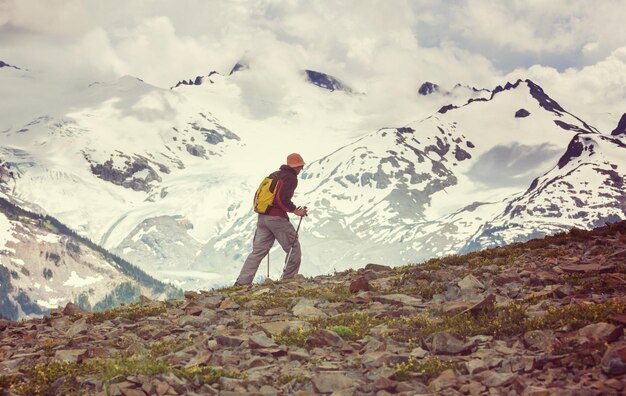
{"x": 285, "y": 193}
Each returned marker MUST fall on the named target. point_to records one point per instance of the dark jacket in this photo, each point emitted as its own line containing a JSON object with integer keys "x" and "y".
{"x": 288, "y": 181}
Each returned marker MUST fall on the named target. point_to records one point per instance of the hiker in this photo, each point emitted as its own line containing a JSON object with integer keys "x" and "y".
{"x": 273, "y": 223}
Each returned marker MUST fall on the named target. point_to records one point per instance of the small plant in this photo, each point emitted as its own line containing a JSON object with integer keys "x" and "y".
{"x": 426, "y": 369}
{"x": 293, "y": 337}
{"x": 132, "y": 312}
{"x": 205, "y": 374}
{"x": 342, "y": 331}
{"x": 284, "y": 379}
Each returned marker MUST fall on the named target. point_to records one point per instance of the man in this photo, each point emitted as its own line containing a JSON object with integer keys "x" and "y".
{"x": 275, "y": 224}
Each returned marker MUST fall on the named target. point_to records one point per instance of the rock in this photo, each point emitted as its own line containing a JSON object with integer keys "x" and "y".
{"x": 536, "y": 391}
{"x": 229, "y": 340}
{"x": 325, "y": 338}
{"x": 494, "y": 379}
{"x": 456, "y": 307}
{"x": 305, "y": 309}
{"x": 384, "y": 383}
{"x": 202, "y": 358}
{"x": 71, "y": 355}
{"x": 521, "y": 113}
{"x": 602, "y": 332}
{"x": 377, "y": 267}
{"x": 132, "y": 392}
{"x": 191, "y": 295}
{"x": 445, "y": 380}
{"x": 476, "y": 366}
{"x": 543, "y": 278}
{"x": 445, "y": 343}
{"x": 229, "y": 304}
{"x": 331, "y": 382}
{"x": 374, "y": 345}
{"x": 260, "y": 340}
{"x": 538, "y": 339}
{"x": 71, "y": 309}
{"x": 470, "y": 282}
{"x": 419, "y": 353}
{"x": 585, "y": 268}
{"x": 399, "y": 299}
{"x": 472, "y": 388}
{"x": 615, "y": 384}
{"x": 275, "y": 328}
{"x": 358, "y": 285}
{"x": 79, "y": 327}
{"x": 563, "y": 291}
{"x": 614, "y": 360}
{"x": 299, "y": 355}
{"x": 487, "y": 302}
{"x": 620, "y": 319}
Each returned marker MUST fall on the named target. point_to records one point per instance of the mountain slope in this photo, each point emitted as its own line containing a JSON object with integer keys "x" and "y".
{"x": 44, "y": 265}
{"x": 584, "y": 190}
{"x": 544, "y": 317}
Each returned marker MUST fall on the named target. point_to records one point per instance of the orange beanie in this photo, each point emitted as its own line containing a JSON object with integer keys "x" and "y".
{"x": 295, "y": 160}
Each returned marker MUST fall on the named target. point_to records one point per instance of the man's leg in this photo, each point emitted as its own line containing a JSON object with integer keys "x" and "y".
{"x": 286, "y": 235}
{"x": 263, "y": 241}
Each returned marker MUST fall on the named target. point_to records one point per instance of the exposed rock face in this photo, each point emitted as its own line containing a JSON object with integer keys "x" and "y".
{"x": 428, "y": 88}
{"x": 522, "y": 113}
{"x": 239, "y": 66}
{"x": 326, "y": 81}
{"x": 621, "y": 127}
{"x": 522, "y": 337}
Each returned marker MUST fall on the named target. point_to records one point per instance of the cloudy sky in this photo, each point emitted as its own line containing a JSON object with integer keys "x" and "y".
{"x": 576, "y": 49}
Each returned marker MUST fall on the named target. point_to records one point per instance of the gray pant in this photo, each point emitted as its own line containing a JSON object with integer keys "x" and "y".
{"x": 269, "y": 229}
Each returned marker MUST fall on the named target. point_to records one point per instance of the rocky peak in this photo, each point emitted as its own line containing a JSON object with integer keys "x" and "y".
{"x": 3, "y": 64}
{"x": 428, "y": 88}
{"x": 542, "y": 317}
{"x": 199, "y": 80}
{"x": 239, "y": 66}
{"x": 621, "y": 127}
{"x": 326, "y": 81}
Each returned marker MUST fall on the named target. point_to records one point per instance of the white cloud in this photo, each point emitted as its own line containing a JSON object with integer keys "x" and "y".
{"x": 385, "y": 49}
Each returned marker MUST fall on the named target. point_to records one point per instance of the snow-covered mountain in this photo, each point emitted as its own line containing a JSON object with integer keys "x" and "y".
{"x": 164, "y": 177}
{"x": 45, "y": 265}
{"x": 429, "y": 188}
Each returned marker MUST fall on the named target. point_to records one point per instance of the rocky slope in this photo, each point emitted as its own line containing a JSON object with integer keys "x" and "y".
{"x": 539, "y": 318}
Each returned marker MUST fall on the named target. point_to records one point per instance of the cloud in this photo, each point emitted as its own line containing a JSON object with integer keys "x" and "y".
{"x": 512, "y": 166}
{"x": 386, "y": 51}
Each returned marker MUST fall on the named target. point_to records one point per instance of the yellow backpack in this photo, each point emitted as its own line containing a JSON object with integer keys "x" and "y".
{"x": 264, "y": 197}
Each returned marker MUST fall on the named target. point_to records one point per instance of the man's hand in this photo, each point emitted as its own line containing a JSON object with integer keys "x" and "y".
{"x": 300, "y": 211}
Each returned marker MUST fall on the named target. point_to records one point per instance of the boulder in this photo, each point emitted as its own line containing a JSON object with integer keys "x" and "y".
{"x": 614, "y": 360}
{"x": 331, "y": 382}
{"x": 361, "y": 284}
{"x": 602, "y": 332}
{"x": 444, "y": 343}
{"x": 305, "y": 308}
{"x": 71, "y": 355}
{"x": 260, "y": 340}
{"x": 470, "y": 282}
{"x": 399, "y": 299}
{"x": 325, "y": 338}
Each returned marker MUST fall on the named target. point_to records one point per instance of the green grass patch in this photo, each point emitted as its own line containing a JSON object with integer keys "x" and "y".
{"x": 132, "y": 311}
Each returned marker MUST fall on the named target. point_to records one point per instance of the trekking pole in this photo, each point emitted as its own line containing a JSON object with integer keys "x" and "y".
{"x": 268, "y": 265}
{"x": 294, "y": 242}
